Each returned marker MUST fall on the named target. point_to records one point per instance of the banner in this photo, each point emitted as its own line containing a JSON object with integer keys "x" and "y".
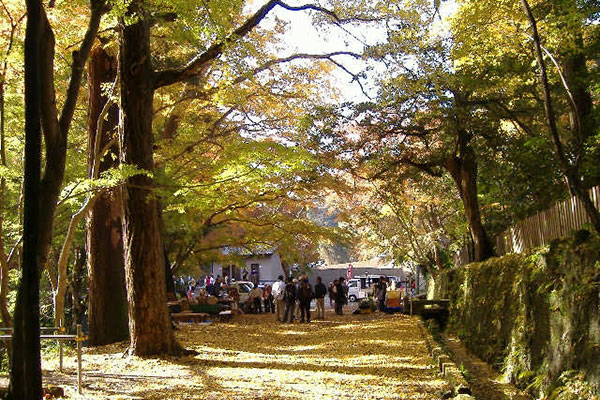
{"x": 349, "y": 272}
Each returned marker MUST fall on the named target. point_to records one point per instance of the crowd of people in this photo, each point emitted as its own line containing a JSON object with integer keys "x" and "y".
{"x": 292, "y": 298}
{"x": 209, "y": 284}
{"x": 289, "y": 299}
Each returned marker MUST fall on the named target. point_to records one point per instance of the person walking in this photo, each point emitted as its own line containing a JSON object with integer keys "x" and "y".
{"x": 380, "y": 292}
{"x": 268, "y": 299}
{"x": 331, "y": 292}
{"x": 277, "y": 291}
{"x": 234, "y": 295}
{"x": 340, "y": 296}
{"x": 305, "y": 296}
{"x": 320, "y": 292}
{"x": 256, "y": 296}
{"x": 297, "y": 309}
{"x": 289, "y": 296}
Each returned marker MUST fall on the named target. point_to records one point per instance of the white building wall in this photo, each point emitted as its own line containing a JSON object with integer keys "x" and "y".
{"x": 269, "y": 266}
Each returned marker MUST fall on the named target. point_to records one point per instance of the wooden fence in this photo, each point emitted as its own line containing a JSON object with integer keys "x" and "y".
{"x": 539, "y": 229}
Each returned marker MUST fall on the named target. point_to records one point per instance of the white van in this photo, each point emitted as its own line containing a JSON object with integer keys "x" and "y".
{"x": 355, "y": 290}
{"x": 360, "y": 287}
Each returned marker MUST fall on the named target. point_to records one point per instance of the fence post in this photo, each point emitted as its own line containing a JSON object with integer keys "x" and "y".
{"x": 79, "y": 339}
{"x": 61, "y": 330}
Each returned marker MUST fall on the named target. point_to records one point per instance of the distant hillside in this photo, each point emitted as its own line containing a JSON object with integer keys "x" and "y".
{"x": 335, "y": 253}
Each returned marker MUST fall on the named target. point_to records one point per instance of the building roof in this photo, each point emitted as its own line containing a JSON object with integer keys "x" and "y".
{"x": 259, "y": 251}
{"x": 375, "y": 263}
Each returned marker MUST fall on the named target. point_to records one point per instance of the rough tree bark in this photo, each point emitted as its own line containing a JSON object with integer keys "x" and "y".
{"x": 75, "y": 284}
{"x": 107, "y": 315}
{"x": 462, "y": 166}
{"x": 149, "y": 327}
{"x": 41, "y": 195}
{"x": 464, "y": 173}
{"x": 26, "y": 372}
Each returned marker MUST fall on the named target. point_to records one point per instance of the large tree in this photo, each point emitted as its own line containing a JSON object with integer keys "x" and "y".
{"x": 423, "y": 118}
{"x": 549, "y": 103}
{"x": 107, "y": 315}
{"x": 42, "y": 188}
{"x": 149, "y": 328}
{"x": 583, "y": 123}
{"x": 26, "y": 373}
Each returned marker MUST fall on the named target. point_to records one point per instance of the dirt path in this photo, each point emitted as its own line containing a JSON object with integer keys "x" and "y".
{"x": 253, "y": 357}
{"x": 486, "y": 384}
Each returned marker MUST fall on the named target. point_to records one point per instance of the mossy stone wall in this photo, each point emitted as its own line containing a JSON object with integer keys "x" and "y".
{"x": 536, "y": 317}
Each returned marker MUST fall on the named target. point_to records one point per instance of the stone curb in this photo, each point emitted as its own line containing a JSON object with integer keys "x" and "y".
{"x": 459, "y": 387}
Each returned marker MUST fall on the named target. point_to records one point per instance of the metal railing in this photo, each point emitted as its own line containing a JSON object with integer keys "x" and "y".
{"x": 61, "y": 337}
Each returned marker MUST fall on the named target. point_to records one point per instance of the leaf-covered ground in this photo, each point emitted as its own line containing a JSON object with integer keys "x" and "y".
{"x": 254, "y": 357}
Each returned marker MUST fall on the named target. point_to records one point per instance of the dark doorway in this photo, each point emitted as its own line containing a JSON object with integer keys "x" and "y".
{"x": 255, "y": 273}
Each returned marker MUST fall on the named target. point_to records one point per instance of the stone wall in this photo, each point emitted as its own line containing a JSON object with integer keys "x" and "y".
{"x": 536, "y": 317}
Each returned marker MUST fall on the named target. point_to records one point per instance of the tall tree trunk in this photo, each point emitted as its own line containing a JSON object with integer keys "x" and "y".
{"x": 570, "y": 170}
{"x": 464, "y": 173}
{"x": 107, "y": 315}
{"x": 75, "y": 283}
{"x": 41, "y": 195}
{"x": 462, "y": 166}
{"x": 26, "y": 372}
{"x": 149, "y": 327}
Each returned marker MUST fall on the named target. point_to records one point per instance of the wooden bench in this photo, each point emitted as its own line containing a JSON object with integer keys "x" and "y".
{"x": 189, "y": 317}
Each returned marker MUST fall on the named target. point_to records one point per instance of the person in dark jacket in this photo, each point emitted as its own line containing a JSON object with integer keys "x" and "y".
{"x": 305, "y": 296}
{"x": 320, "y": 292}
{"x": 340, "y": 295}
{"x": 217, "y": 287}
{"x": 380, "y": 292}
{"x": 289, "y": 296}
{"x": 331, "y": 292}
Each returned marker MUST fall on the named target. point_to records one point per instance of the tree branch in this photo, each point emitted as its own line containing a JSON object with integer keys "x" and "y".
{"x": 169, "y": 77}
{"x": 548, "y": 107}
{"x": 79, "y": 59}
{"x": 302, "y": 56}
{"x": 427, "y": 167}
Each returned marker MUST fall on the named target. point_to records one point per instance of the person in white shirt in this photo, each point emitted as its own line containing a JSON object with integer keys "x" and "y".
{"x": 277, "y": 292}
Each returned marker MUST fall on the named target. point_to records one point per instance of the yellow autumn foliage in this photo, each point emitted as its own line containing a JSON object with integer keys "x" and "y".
{"x": 374, "y": 356}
